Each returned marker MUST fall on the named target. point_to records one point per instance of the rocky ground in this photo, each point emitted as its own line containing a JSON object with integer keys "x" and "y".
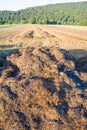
{"x": 43, "y": 89}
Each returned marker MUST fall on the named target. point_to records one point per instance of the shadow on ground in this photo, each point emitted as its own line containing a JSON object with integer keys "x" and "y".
{"x": 78, "y": 53}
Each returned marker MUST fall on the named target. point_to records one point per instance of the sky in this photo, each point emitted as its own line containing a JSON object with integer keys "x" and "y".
{"x": 21, "y": 4}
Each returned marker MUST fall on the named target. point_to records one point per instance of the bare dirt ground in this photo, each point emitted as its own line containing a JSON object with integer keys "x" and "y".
{"x": 72, "y": 38}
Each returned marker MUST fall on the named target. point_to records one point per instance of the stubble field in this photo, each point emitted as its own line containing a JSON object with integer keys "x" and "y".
{"x": 72, "y": 38}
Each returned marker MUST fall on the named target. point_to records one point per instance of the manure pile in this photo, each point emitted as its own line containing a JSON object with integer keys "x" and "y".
{"x": 43, "y": 89}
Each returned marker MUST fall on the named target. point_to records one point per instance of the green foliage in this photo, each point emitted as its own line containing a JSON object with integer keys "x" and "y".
{"x": 9, "y": 22}
{"x": 65, "y": 13}
{"x": 83, "y": 23}
{"x": 22, "y": 21}
{"x": 1, "y": 22}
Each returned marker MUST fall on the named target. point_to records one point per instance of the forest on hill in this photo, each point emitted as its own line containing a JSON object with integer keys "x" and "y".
{"x": 62, "y": 14}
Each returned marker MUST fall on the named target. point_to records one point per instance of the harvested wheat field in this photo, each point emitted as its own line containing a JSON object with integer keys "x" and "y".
{"x": 43, "y": 78}
{"x": 65, "y": 37}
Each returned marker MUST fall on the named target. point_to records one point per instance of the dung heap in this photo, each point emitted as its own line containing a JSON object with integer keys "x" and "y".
{"x": 43, "y": 89}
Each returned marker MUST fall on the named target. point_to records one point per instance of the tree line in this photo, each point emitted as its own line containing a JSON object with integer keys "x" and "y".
{"x": 62, "y": 14}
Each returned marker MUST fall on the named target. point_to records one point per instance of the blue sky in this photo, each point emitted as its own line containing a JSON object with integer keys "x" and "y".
{"x": 21, "y": 4}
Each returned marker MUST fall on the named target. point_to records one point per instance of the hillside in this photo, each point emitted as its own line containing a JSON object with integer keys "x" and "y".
{"x": 43, "y": 89}
{"x": 65, "y": 13}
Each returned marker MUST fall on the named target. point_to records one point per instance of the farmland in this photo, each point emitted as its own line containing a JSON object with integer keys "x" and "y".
{"x": 43, "y": 66}
{"x": 72, "y": 38}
